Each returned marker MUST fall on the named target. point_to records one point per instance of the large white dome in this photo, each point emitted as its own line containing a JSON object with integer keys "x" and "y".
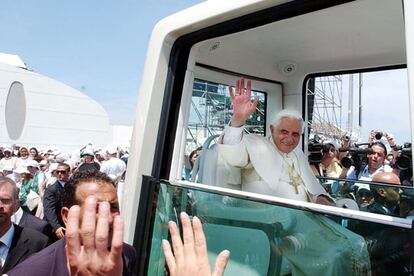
{"x": 39, "y": 111}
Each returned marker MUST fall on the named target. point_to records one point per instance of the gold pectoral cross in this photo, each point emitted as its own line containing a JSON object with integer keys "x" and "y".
{"x": 295, "y": 179}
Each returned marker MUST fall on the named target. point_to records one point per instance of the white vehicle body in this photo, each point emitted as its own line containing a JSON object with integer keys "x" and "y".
{"x": 278, "y": 44}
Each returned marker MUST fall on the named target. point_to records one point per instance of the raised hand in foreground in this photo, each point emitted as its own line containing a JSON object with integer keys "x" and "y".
{"x": 87, "y": 244}
{"x": 190, "y": 254}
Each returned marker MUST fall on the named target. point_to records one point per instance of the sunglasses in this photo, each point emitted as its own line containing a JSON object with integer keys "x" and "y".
{"x": 61, "y": 172}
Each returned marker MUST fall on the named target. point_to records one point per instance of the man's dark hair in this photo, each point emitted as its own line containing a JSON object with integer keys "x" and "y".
{"x": 68, "y": 196}
{"x": 380, "y": 144}
{"x": 61, "y": 164}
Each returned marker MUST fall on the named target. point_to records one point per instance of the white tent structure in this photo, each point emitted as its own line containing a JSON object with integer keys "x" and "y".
{"x": 39, "y": 111}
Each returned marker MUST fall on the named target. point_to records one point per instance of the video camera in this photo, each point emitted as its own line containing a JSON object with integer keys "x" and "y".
{"x": 314, "y": 147}
{"x": 357, "y": 156}
{"x": 404, "y": 161}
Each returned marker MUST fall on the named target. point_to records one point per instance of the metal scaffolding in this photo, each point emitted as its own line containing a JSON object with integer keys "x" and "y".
{"x": 324, "y": 96}
{"x": 211, "y": 110}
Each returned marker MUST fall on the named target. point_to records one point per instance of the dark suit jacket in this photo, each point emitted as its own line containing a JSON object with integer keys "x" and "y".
{"x": 51, "y": 261}
{"x": 32, "y": 222}
{"x": 52, "y": 205}
{"x": 25, "y": 242}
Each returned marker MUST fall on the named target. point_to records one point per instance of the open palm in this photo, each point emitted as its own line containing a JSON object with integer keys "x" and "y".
{"x": 242, "y": 106}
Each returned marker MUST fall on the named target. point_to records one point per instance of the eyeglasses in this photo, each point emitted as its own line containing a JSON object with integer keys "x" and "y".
{"x": 61, "y": 172}
{"x": 6, "y": 201}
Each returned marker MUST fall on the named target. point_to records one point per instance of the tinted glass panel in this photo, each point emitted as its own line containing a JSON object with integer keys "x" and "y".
{"x": 266, "y": 239}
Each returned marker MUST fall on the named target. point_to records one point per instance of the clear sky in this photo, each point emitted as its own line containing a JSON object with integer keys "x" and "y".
{"x": 97, "y": 47}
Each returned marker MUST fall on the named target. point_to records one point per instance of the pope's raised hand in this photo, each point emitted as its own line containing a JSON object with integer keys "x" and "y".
{"x": 242, "y": 106}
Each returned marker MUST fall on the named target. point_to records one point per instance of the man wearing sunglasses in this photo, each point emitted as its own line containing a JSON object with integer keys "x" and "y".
{"x": 51, "y": 200}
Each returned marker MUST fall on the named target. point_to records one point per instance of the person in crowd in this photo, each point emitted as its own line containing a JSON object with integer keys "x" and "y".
{"x": 192, "y": 158}
{"x": 44, "y": 165}
{"x": 8, "y": 159}
{"x": 23, "y": 156}
{"x": 389, "y": 160}
{"x": 25, "y": 219}
{"x": 125, "y": 156}
{"x": 388, "y": 250}
{"x": 52, "y": 203}
{"x": 386, "y": 199}
{"x": 51, "y": 174}
{"x": 17, "y": 243}
{"x": 33, "y": 191}
{"x": 89, "y": 163}
{"x": 375, "y": 164}
{"x": 329, "y": 165}
{"x": 9, "y": 172}
{"x": 39, "y": 178}
{"x": 34, "y": 154}
{"x": 113, "y": 167}
{"x": 252, "y": 159}
{"x": 90, "y": 205}
{"x": 363, "y": 197}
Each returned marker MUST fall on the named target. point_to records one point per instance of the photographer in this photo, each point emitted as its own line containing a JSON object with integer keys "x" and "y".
{"x": 328, "y": 165}
{"x": 375, "y": 164}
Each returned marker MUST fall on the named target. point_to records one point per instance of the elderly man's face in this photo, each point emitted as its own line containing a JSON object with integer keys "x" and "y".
{"x": 286, "y": 135}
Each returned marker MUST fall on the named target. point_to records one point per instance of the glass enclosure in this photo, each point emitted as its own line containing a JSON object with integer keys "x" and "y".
{"x": 276, "y": 239}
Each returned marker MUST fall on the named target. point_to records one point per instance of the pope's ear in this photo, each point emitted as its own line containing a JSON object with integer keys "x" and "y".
{"x": 64, "y": 213}
{"x": 271, "y": 128}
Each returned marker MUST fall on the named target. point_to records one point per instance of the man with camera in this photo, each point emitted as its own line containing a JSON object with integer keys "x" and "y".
{"x": 376, "y": 156}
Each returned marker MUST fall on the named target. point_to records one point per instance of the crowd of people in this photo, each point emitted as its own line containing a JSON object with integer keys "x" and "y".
{"x": 81, "y": 232}
{"x": 40, "y": 175}
{"x": 361, "y": 171}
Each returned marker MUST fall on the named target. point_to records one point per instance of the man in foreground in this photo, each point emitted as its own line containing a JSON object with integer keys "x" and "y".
{"x": 16, "y": 243}
{"x": 93, "y": 244}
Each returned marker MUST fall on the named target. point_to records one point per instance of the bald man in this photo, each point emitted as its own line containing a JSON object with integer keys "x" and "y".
{"x": 386, "y": 198}
{"x": 386, "y": 244}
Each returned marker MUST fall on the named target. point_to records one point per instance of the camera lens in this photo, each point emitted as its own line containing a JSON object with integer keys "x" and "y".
{"x": 403, "y": 162}
{"x": 378, "y": 135}
{"x": 346, "y": 162}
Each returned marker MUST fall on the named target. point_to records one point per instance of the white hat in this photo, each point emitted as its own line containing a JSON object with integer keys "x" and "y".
{"x": 111, "y": 149}
{"x": 21, "y": 170}
{"x": 8, "y": 168}
{"x": 87, "y": 151}
{"x": 53, "y": 167}
{"x": 331, "y": 142}
{"x": 7, "y": 149}
{"x": 32, "y": 163}
{"x": 43, "y": 162}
